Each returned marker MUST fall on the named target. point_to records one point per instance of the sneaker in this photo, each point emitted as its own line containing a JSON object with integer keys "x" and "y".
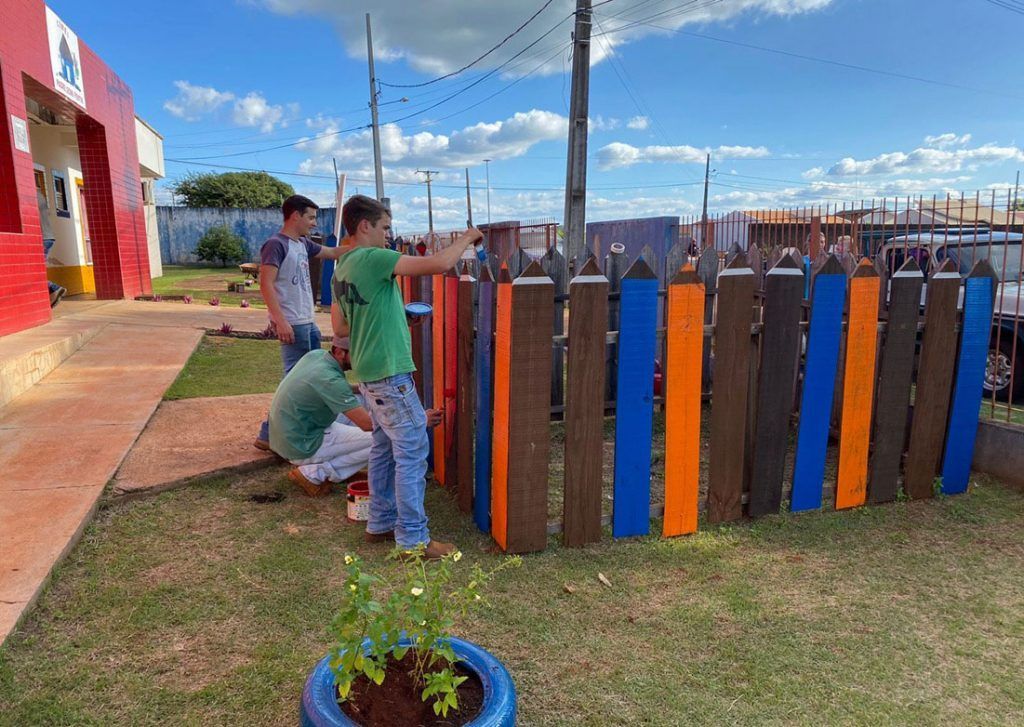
{"x": 262, "y": 444}
{"x": 56, "y": 295}
{"x": 435, "y": 550}
{"x": 387, "y": 537}
{"x": 310, "y": 488}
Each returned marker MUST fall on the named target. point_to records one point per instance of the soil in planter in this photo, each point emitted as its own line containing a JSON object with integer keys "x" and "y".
{"x": 397, "y": 702}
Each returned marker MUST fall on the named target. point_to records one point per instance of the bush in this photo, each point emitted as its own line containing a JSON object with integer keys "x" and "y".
{"x": 220, "y": 244}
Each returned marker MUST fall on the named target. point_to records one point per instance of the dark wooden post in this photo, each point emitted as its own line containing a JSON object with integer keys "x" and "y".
{"x": 934, "y": 382}
{"x": 523, "y": 441}
{"x": 780, "y": 352}
{"x": 729, "y": 391}
{"x": 584, "y": 406}
{"x": 465, "y": 394}
{"x": 894, "y": 381}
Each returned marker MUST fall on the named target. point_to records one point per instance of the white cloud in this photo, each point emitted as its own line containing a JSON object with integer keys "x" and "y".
{"x": 813, "y": 173}
{"x": 944, "y": 141}
{"x": 617, "y": 154}
{"x": 599, "y": 123}
{"x": 455, "y": 32}
{"x": 926, "y": 160}
{"x": 839, "y": 193}
{"x": 254, "y": 111}
{"x": 638, "y": 123}
{"x": 497, "y": 140}
{"x": 193, "y": 102}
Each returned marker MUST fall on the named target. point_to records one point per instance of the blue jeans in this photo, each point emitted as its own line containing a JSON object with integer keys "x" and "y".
{"x": 307, "y": 338}
{"x": 398, "y": 460}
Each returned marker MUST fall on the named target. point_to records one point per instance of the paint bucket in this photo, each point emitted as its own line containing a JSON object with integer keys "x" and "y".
{"x": 358, "y": 501}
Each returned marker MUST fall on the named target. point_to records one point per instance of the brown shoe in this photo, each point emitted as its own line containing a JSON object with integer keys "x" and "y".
{"x": 310, "y": 488}
{"x": 262, "y": 444}
{"x": 387, "y": 537}
{"x": 435, "y": 550}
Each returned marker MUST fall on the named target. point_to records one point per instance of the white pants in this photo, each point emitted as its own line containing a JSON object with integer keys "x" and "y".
{"x": 344, "y": 451}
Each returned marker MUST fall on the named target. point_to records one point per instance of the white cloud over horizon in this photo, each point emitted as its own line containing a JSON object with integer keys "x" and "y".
{"x": 618, "y": 155}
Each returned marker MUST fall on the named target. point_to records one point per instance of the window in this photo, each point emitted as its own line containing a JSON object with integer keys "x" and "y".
{"x": 147, "y": 191}
{"x": 60, "y": 195}
{"x": 40, "y": 179}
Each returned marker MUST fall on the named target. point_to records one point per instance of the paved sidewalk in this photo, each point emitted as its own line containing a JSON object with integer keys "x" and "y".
{"x": 63, "y": 439}
{"x": 195, "y": 437}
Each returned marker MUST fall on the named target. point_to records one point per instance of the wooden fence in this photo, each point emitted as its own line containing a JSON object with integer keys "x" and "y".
{"x": 837, "y": 353}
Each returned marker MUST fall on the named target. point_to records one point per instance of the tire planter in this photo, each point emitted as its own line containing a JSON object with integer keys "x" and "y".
{"x": 320, "y": 708}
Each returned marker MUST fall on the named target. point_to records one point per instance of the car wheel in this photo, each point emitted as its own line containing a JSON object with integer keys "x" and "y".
{"x": 1004, "y": 372}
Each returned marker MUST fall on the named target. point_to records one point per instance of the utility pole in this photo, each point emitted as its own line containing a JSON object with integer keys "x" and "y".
{"x": 377, "y": 170}
{"x": 1016, "y": 188}
{"x": 469, "y": 202}
{"x": 487, "y": 164}
{"x": 574, "y": 219}
{"x": 430, "y": 199}
{"x": 704, "y": 214}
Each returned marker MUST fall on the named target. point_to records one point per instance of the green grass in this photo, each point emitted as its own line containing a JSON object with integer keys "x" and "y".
{"x": 206, "y": 283}
{"x": 200, "y": 607}
{"x": 222, "y": 366}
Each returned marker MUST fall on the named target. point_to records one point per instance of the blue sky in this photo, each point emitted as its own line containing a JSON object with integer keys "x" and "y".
{"x": 224, "y": 82}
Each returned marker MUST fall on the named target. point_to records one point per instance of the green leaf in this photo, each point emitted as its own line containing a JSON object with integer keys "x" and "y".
{"x": 378, "y": 677}
{"x": 400, "y": 652}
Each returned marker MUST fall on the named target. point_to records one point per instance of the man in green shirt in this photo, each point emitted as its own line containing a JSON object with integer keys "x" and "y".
{"x": 304, "y": 425}
{"x": 368, "y": 307}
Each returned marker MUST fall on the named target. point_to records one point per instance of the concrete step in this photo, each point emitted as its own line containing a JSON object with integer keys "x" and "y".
{"x": 26, "y": 357}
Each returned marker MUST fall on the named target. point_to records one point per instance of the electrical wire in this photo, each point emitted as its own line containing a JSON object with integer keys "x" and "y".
{"x": 472, "y": 63}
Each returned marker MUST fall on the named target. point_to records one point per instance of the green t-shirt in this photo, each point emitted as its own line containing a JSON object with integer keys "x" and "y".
{"x": 306, "y": 402}
{"x": 369, "y": 297}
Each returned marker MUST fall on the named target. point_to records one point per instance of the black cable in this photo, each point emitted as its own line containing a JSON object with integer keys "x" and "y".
{"x": 472, "y": 63}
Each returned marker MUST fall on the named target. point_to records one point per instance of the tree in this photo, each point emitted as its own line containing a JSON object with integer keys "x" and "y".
{"x": 220, "y": 244}
{"x": 232, "y": 189}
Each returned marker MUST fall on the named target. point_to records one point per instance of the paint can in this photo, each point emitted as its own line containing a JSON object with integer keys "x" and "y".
{"x": 358, "y": 501}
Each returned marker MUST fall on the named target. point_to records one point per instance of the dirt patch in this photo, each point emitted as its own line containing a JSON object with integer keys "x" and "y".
{"x": 397, "y": 702}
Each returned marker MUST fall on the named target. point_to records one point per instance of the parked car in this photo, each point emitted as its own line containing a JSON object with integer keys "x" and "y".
{"x": 1005, "y": 371}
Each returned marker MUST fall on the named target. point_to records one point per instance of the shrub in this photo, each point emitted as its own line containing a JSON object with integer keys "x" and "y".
{"x": 220, "y": 244}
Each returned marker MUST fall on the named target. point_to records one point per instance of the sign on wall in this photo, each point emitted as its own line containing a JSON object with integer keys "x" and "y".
{"x": 65, "y": 59}
{"x": 20, "y": 133}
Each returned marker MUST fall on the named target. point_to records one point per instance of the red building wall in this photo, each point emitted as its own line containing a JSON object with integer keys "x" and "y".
{"x": 110, "y": 172}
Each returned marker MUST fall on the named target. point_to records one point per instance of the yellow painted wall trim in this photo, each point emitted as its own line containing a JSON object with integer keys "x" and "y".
{"x": 76, "y": 278}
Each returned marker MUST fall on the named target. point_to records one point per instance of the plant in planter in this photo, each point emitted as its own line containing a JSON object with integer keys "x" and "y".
{"x": 395, "y": 657}
{"x": 157, "y": 298}
{"x": 214, "y": 301}
{"x": 244, "y": 303}
{"x": 226, "y": 329}
{"x": 187, "y": 299}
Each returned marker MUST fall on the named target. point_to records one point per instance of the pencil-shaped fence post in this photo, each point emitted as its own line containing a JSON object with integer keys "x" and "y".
{"x": 729, "y": 390}
{"x": 484, "y": 399}
{"x": 934, "y": 382}
{"x": 437, "y": 376}
{"x": 465, "y": 391}
{"x": 979, "y": 300}
{"x": 780, "y": 354}
{"x": 828, "y": 298}
{"x": 858, "y": 387}
{"x": 682, "y": 375}
{"x": 894, "y": 381}
{"x": 522, "y": 412}
{"x": 634, "y": 407}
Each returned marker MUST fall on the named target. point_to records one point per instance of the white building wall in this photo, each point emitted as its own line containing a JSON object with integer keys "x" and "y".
{"x": 151, "y": 168}
{"x": 54, "y": 148}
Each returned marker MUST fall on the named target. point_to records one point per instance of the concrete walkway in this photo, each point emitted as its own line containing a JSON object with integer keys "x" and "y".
{"x": 63, "y": 437}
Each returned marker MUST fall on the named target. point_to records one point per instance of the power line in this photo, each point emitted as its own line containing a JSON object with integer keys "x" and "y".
{"x": 666, "y": 185}
{"x": 472, "y": 63}
{"x": 1008, "y": 5}
{"x": 282, "y": 146}
{"x": 815, "y": 59}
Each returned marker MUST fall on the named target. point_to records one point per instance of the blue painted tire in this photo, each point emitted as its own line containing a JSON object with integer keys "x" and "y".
{"x": 320, "y": 708}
